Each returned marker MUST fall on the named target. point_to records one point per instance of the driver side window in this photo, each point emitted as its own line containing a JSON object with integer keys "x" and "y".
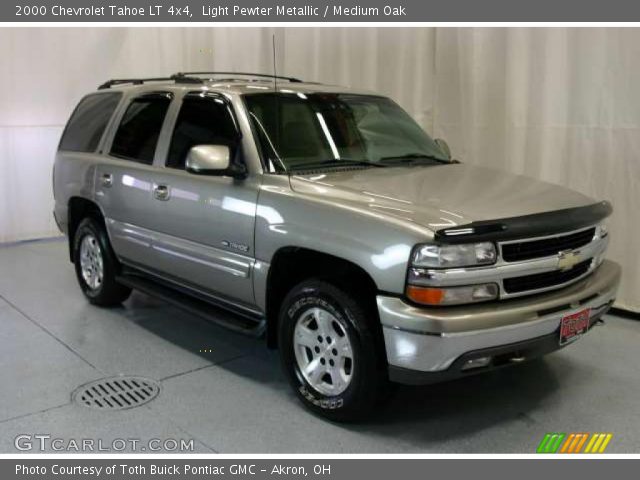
{"x": 203, "y": 120}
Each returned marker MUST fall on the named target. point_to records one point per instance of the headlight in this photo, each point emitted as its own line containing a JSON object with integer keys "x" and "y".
{"x": 447, "y": 256}
{"x": 452, "y": 295}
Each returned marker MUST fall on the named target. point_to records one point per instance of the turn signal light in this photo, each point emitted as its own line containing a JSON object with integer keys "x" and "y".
{"x": 424, "y": 295}
{"x": 452, "y": 295}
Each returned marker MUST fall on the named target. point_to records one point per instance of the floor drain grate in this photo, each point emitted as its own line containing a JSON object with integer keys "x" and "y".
{"x": 117, "y": 393}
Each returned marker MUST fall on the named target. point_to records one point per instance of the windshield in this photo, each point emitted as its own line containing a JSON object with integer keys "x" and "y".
{"x": 301, "y": 131}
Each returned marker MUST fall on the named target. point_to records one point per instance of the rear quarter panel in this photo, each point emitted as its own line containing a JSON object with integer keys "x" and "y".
{"x": 73, "y": 176}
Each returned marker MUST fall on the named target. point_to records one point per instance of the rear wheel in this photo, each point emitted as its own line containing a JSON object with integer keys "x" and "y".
{"x": 96, "y": 265}
{"x": 329, "y": 351}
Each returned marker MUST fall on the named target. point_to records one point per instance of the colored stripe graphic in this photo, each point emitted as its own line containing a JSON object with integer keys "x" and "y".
{"x": 551, "y": 442}
{"x": 581, "y": 443}
{"x": 543, "y": 443}
{"x": 574, "y": 442}
{"x": 569, "y": 441}
{"x": 574, "y": 446}
{"x": 598, "y": 443}
{"x": 607, "y": 439}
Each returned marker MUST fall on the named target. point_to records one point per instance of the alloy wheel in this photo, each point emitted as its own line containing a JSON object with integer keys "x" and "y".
{"x": 91, "y": 262}
{"x": 323, "y": 351}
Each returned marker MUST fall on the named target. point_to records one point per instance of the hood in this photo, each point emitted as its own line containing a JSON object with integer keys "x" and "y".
{"x": 440, "y": 196}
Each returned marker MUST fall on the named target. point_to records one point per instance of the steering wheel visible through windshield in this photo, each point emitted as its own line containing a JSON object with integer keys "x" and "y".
{"x": 300, "y": 131}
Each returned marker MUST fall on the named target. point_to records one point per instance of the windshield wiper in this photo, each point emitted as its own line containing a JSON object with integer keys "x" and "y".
{"x": 413, "y": 158}
{"x": 333, "y": 162}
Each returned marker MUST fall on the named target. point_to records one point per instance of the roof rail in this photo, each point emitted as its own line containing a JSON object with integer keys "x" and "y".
{"x": 186, "y": 77}
{"x": 178, "y": 78}
{"x": 242, "y": 74}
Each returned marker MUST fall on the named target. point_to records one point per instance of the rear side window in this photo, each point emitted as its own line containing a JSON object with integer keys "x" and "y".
{"x": 88, "y": 122}
{"x": 139, "y": 129}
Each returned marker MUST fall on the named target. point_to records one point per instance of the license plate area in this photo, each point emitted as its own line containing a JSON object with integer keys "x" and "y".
{"x": 573, "y": 326}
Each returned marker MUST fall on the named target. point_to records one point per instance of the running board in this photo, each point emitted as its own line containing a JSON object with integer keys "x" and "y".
{"x": 218, "y": 313}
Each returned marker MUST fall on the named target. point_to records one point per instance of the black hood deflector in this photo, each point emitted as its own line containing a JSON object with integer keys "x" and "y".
{"x": 527, "y": 226}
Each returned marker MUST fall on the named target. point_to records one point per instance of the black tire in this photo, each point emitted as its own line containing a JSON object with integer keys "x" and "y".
{"x": 368, "y": 374}
{"x": 107, "y": 292}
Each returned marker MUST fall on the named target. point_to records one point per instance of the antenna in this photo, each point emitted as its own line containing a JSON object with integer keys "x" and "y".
{"x": 275, "y": 73}
{"x": 275, "y": 92}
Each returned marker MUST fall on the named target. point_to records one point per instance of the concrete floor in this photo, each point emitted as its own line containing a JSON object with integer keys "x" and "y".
{"x": 235, "y": 399}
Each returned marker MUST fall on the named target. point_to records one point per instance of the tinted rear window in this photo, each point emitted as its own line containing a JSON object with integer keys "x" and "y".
{"x": 138, "y": 133}
{"x": 88, "y": 122}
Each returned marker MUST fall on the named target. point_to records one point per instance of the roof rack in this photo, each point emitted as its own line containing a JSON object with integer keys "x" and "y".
{"x": 186, "y": 77}
{"x": 242, "y": 74}
{"x": 178, "y": 78}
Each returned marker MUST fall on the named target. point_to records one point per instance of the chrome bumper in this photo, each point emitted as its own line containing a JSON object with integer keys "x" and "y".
{"x": 431, "y": 339}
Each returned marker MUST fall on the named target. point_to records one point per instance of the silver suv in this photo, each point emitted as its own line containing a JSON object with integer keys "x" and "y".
{"x": 328, "y": 221}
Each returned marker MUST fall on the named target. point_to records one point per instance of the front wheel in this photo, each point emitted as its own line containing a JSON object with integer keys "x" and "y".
{"x": 329, "y": 351}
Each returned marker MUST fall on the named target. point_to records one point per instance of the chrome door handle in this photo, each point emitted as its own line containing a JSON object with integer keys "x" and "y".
{"x": 161, "y": 192}
{"x": 107, "y": 180}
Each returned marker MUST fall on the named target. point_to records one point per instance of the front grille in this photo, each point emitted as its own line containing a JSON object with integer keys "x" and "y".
{"x": 546, "y": 247}
{"x": 544, "y": 280}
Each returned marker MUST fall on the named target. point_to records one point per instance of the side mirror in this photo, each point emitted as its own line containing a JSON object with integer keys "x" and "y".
{"x": 444, "y": 146}
{"x": 212, "y": 160}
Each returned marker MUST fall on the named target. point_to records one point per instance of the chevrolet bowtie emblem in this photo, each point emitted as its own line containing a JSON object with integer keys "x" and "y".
{"x": 567, "y": 260}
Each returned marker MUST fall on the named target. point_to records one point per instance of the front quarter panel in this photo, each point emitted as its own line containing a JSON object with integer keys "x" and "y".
{"x": 379, "y": 244}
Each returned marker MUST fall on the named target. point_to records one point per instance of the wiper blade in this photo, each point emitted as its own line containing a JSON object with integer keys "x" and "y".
{"x": 332, "y": 162}
{"x": 412, "y": 158}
